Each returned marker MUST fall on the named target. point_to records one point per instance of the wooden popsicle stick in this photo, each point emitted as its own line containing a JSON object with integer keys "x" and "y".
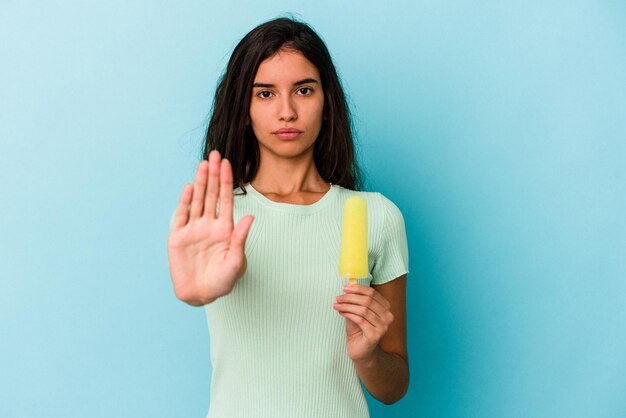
{"x": 352, "y": 280}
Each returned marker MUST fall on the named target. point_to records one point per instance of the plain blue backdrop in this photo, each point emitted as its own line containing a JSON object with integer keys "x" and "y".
{"x": 498, "y": 128}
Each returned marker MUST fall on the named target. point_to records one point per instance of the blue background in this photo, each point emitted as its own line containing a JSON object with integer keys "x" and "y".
{"x": 498, "y": 128}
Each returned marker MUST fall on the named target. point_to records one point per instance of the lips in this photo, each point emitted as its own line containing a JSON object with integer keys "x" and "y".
{"x": 287, "y": 133}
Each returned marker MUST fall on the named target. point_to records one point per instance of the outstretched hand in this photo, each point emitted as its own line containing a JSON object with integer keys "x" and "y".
{"x": 368, "y": 317}
{"x": 205, "y": 250}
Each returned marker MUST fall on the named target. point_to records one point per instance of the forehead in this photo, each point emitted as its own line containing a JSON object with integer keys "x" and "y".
{"x": 285, "y": 66}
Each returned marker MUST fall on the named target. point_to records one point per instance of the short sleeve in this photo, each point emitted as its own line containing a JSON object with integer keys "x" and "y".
{"x": 393, "y": 257}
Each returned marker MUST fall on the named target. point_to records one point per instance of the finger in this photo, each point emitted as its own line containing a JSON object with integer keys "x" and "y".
{"x": 240, "y": 234}
{"x": 210, "y": 201}
{"x": 199, "y": 188}
{"x": 365, "y": 301}
{"x": 367, "y": 291}
{"x": 362, "y": 312}
{"x": 368, "y": 329}
{"x": 226, "y": 191}
{"x": 182, "y": 211}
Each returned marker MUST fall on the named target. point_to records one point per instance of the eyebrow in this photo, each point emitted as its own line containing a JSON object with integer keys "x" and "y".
{"x": 297, "y": 83}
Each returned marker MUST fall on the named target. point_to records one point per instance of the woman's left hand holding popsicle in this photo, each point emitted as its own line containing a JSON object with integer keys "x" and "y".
{"x": 368, "y": 317}
{"x": 376, "y": 336}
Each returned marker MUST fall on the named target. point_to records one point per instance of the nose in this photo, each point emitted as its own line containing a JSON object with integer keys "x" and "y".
{"x": 287, "y": 111}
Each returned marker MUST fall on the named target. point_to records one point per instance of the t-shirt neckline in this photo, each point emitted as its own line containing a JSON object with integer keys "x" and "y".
{"x": 294, "y": 208}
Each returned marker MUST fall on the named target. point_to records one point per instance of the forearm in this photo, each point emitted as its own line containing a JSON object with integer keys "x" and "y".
{"x": 385, "y": 375}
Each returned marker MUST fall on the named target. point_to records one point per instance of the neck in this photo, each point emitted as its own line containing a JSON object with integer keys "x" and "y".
{"x": 288, "y": 176}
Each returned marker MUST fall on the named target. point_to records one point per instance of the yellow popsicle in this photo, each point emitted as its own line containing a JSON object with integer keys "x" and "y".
{"x": 353, "y": 254}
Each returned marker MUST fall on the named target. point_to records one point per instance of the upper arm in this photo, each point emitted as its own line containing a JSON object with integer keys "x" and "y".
{"x": 394, "y": 341}
{"x": 391, "y": 254}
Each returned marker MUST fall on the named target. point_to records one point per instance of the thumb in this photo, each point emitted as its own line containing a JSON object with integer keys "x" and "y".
{"x": 240, "y": 233}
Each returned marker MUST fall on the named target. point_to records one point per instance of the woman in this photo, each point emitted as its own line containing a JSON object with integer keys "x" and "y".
{"x": 286, "y": 341}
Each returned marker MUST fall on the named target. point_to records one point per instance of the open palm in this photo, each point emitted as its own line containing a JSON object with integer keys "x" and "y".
{"x": 205, "y": 250}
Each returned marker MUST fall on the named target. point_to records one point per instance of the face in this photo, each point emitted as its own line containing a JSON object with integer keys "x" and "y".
{"x": 286, "y": 105}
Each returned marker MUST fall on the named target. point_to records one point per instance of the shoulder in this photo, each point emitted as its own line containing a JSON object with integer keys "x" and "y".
{"x": 379, "y": 207}
{"x": 384, "y": 219}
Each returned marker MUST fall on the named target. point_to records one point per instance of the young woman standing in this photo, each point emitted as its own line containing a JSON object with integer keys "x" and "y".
{"x": 289, "y": 338}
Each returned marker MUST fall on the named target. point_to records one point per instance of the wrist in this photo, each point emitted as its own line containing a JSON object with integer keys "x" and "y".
{"x": 368, "y": 361}
{"x": 196, "y": 296}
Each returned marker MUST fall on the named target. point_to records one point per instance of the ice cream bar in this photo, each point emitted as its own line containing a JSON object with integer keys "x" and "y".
{"x": 353, "y": 253}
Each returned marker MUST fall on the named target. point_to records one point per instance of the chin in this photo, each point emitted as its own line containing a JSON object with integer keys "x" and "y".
{"x": 288, "y": 150}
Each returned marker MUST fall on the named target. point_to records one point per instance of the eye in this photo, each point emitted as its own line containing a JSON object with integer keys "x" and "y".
{"x": 264, "y": 94}
{"x": 305, "y": 91}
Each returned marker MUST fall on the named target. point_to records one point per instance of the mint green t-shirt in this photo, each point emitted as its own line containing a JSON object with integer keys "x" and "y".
{"x": 278, "y": 348}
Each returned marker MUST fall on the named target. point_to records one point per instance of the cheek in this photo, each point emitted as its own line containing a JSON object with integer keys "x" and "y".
{"x": 257, "y": 116}
{"x": 321, "y": 109}
{"x": 315, "y": 113}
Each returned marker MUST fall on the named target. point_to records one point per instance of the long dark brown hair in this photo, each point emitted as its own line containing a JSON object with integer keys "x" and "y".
{"x": 227, "y": 132}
